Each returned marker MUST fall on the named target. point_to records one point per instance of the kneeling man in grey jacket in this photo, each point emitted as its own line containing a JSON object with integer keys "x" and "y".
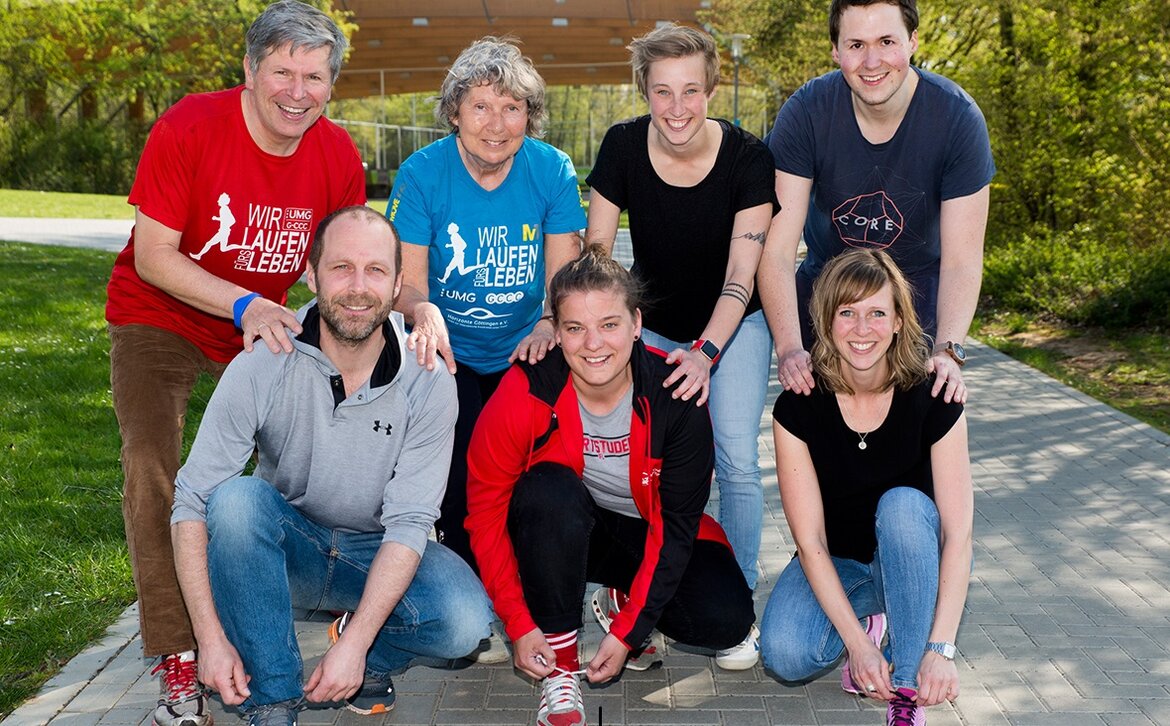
{"x": 353, "y": 441}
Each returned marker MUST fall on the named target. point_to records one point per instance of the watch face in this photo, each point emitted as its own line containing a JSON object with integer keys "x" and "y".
{"x": 962, "y": 354}
{"x": 709, "y": 349}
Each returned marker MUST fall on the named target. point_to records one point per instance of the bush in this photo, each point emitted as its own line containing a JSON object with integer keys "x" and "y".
{"x": 1079, "y": 277}
{"x": 88, "y": 157}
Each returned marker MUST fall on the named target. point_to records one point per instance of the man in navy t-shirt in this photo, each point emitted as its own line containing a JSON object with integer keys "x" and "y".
{"x": 880, "y": 155}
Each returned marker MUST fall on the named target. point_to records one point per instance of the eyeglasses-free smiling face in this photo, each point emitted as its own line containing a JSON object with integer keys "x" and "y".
{"x": 355, "y": 280}
{"x": 596, "y": 332}
{"x": 677, "y": 95}
{"x": 491, "y": 127}
{"x": 874, "y": 50}
{"x": 286, "y": 95}
{"x": 863, "y": 331}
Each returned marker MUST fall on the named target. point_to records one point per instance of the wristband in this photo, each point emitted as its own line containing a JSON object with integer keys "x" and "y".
{"x": 240, "y": 305}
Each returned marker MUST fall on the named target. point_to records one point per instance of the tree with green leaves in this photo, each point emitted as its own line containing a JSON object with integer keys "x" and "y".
{"x": 80, "y": 80}
{"x": 1076, "y": 102}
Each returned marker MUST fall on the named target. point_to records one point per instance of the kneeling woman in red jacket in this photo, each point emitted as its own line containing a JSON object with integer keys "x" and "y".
{"x": 583, "y": 467}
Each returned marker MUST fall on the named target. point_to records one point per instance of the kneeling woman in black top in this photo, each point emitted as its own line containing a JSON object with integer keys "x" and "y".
{"x": 583, "y": 467}
{"x": 876, "y": 484}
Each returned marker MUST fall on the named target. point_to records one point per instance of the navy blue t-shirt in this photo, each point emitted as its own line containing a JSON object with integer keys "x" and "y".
{"x": 881, "y": 196}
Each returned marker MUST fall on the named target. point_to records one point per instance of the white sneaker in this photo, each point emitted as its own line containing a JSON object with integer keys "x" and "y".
{"x": 742, "y": 656}
{"x": 491, "y": 650}
{"x": 560, "y": 700}
{"x": 183, "y": 701}
{"x": 605, "y": 609}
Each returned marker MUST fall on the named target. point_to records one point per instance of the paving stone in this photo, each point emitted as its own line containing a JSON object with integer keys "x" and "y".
{"x": 1067, "y": 619}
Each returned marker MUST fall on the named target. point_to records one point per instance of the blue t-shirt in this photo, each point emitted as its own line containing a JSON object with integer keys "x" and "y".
{"x": 486, "y": 258}
{"x": 881, "y": 196}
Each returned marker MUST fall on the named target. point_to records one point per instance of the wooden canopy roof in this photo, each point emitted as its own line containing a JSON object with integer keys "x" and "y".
{"x": 403, "y": 47}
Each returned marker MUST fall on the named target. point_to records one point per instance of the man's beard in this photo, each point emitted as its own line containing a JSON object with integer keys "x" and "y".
{"x": 347, "y": 330}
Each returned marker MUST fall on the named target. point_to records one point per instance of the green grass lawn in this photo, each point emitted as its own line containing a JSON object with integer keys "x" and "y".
{"x": 66, "y": 576}
{"x": 1127, "y": 369}
{"x": 21, "y": 203}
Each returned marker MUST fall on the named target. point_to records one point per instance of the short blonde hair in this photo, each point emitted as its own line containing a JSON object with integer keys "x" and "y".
{"x": 499, "y": 63}
{"x": 854, "y": 276}
{"x": 673, "y": 41}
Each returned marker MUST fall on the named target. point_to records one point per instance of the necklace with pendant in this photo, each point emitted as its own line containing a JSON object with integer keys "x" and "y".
{"x": 861, "y": 444}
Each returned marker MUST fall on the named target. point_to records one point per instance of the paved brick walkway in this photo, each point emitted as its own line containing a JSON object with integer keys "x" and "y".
{"x": 1066, "y": 623}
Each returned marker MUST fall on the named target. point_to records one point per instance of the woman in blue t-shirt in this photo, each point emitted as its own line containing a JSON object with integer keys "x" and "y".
{"x": 486, "y": 215}
{"x": 876, "y": 484}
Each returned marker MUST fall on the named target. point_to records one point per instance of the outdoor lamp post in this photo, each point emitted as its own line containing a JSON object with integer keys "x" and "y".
{"x": 737, "y": 40}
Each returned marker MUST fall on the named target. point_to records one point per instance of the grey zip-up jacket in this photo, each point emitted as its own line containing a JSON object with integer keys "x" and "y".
{"x": 374, "y": 462}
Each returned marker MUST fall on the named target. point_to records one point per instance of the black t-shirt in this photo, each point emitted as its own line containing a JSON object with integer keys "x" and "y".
{"x": 852, "y": 480}
{"x": 682, "y": 235}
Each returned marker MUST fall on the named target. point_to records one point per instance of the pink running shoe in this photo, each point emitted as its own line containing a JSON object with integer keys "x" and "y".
{"x": 903, "y": 711}
{"x": 875, "y": 628}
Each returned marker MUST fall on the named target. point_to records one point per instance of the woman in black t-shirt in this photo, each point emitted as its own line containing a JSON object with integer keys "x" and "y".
{"x": 700, "y": 194}
{"x": 876, "y": 484}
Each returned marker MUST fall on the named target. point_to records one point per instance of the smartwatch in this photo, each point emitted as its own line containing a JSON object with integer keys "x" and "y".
{"x": 707, "y": 348}
{"x": 946, "y": 650}
{"x": 956, "y": 352}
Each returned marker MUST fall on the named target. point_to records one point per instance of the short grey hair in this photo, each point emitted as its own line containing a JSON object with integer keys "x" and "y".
{"x": 303, "y": 26}
{"x": 499, "y": 63}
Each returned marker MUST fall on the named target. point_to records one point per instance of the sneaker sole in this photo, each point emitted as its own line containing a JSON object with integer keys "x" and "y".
{"x": 602, "y": 614}
{"x": 740, "y": 662}
{"x": 603, "y": 618}
{"x": 847, "y": 683}
{"x": 491, "y": 655}
{"x": 737, "y": 665}
{"x": 336, "y": 627}
{"x": 380, "y": 708}
{"x": 640, "y": 666}
{"x": 186, "y": 722}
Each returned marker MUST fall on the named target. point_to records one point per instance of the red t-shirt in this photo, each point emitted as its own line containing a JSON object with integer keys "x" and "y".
{"x": 246, "y": 216}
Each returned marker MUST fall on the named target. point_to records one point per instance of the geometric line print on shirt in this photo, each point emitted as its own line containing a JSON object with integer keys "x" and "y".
{"x": 881, "y": 207}
{"x": 870, "y": 221}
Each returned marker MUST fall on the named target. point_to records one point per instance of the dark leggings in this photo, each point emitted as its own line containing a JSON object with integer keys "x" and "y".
{"x": 473, "y": 390}
{"x": 562, "y": 540}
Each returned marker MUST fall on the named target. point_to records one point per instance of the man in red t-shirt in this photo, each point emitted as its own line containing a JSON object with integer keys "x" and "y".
{"x": 229, "y": 191}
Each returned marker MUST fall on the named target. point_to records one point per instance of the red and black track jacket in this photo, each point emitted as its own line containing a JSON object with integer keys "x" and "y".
{"x": 533, "y": 417}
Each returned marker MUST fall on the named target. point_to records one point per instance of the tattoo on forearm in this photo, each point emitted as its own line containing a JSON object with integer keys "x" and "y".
{"x": 734, "y": 294}
{"x": 757, "y": 236}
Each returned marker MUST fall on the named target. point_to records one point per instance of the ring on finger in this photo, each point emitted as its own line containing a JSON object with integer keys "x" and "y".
{"x": 871, "y": 688}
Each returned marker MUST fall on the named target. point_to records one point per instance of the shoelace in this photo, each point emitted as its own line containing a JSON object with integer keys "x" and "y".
{"x": 903, "y": 710}
{"x": 561, "y": 691}
{"x": 274, "y": 714}
{"x": 179, "y": 676}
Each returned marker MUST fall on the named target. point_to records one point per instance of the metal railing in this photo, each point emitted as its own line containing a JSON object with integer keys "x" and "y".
{"x": 386, "y": 146}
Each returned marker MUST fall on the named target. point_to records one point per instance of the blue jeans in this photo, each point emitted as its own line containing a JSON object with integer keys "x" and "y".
{"x": 798, "y": 641}
{"x": 739, "y": 385}
{"x": 265, "y": 559}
